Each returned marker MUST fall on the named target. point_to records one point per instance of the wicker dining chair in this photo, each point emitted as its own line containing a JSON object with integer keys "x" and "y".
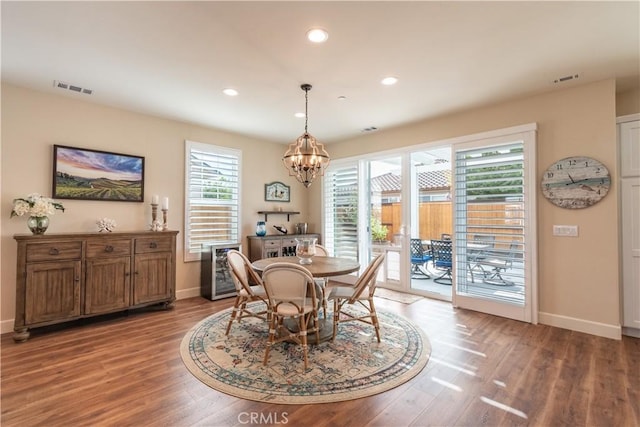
{"x": 291, "y": 293}
{"x": 241, "y": 273}
{"x": 360, "y": 294}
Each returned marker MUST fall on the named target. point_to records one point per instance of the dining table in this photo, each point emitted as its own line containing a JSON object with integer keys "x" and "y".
{"x": 320, "y": 267}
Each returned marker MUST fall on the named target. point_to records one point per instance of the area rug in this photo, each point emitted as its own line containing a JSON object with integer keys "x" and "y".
{"x": 397, "y": 296}
{"x": 353, "y": 366}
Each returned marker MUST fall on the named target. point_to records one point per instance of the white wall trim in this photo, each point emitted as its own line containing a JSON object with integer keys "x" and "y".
{"x": 188, "y": 293}
{"x": 580, "y": 325}
{"x": 628, "y": 118}
{"x": 6, "y": 326}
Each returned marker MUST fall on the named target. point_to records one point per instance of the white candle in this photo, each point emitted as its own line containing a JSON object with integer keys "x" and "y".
{"x": 165, "y": 203}
{"x": 155, "y": 199}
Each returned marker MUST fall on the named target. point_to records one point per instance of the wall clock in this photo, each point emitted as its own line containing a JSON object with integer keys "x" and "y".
{"x": 576, "y": 182}
{"x": 276, "y": 192}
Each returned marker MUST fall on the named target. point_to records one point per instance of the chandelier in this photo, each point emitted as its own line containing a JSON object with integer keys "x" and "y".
{"x": 306, "y": 159}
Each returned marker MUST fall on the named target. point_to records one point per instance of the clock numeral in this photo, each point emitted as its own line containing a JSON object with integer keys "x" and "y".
{"x": 549, "y": 174}
{"x": 572, "y": 162}
{"x": 586, "y": 164}
{"x": 597, "y": 170}
{"x": 559, "y": 167}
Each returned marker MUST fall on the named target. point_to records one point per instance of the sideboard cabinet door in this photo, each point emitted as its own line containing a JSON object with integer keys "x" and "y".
{"x": 52, "y": 291}
{"x": 108, "y": 284}
{"x": 152, "y": 280}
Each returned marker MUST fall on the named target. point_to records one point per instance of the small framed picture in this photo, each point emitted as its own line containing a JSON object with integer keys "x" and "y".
{"x": 277, "y": 192}
{"x": 83, "y": 174}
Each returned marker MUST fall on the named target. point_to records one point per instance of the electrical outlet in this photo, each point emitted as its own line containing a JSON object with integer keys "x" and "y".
{"x": 565, "y": 230}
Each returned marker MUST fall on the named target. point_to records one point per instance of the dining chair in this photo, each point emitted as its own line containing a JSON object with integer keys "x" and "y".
{"x": 361, "y": 294}
{"x": 241, "y": 274}
{"x": 442, "y": 260}
{"x": 419, "y": 259}
{"x": 322, "y": 281}
{"x": 291, "y": 293}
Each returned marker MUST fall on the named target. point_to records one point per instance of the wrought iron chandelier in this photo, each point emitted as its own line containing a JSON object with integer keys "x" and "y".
{"x": 306, "y": 159}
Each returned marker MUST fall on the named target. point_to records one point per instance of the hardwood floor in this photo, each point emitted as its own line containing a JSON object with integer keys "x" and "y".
{"x": 484, "y": 370}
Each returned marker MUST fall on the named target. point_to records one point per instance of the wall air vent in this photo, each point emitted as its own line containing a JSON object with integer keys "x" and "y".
{"x": 370, "y": 129}
{"x": 566, "y": 78}
{"x": 66, "y": 86}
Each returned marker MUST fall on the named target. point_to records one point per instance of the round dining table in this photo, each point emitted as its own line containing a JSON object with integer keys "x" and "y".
{"x": 321, "y": 266}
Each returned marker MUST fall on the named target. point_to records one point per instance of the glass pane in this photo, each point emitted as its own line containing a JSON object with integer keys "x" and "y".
{"x": 490, "y": 223}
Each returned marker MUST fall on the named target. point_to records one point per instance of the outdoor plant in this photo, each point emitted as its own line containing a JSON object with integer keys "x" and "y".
{"x": 378, "y": 231}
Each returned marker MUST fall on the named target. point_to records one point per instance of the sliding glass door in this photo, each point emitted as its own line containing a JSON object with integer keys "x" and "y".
{"x": 494, "y": 221}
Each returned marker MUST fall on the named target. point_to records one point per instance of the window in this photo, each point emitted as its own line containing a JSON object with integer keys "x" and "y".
{"x": 341, "y": 211}
{"x": 212, "y": 190}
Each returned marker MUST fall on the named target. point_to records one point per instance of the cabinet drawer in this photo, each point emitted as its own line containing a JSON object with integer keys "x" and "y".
{"x": 54, "y": 251}
{"x": 99, "y": 248}
{"x": 288, "y": 243}
{"x": 273, "y": 243}
{"x": 153, "y": 244}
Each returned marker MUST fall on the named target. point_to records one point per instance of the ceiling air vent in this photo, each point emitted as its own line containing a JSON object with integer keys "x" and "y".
{"x": 370, "y": 129}
{"x": 73, "y": 88}
{"x": 566, "y": 78}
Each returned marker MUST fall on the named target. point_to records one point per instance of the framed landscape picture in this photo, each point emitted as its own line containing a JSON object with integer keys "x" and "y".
{"x": 83, "y": 174}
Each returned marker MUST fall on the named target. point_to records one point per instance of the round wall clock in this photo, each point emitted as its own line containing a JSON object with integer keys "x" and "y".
{"x": 576, "y": 182}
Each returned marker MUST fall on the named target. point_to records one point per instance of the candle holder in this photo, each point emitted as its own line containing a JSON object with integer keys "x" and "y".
{"x": 155, "y": 224}
{"x": 165, "y": 225}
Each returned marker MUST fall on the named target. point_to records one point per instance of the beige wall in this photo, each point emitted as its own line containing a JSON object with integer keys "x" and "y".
{"x": 578, "y": 277}
{"x": 33, "y": 121}
{"x": 628, "y": 102}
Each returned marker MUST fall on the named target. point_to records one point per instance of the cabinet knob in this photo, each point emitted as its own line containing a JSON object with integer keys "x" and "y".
{"x": 153, "y": 245}
{"x": 54, "y": 251}
{"x": 108, "y": 248}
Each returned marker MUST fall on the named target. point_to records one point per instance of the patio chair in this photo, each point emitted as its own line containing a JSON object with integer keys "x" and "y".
{"x": 362, "y": 292}
{"x": 419, "y": 260}
{"x": 480, "y": 249}
{"x": 240, "y": 268}
{"x": 442, "y": 260}
{"x": 291, "y": 293}
{"x": 494, "y": 266}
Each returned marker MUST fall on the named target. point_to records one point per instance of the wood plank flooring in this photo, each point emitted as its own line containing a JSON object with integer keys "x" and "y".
{"x": 484, "y": 371}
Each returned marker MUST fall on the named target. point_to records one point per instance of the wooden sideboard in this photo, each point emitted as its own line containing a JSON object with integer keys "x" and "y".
{"x": 275, "y": 245}
{"x": 63, "y": 277}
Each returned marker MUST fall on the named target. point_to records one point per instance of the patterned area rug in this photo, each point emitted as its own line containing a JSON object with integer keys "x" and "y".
{"x": 354, "y": 366}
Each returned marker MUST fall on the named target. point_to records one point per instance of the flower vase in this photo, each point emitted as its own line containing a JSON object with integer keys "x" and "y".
{"x": 38, "y": 224}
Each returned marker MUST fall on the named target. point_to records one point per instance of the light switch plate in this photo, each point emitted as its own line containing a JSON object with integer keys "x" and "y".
{"x": 565, "y": 230}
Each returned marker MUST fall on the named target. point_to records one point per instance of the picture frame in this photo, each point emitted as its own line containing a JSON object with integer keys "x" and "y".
{"x": 86, "y": 174}
{"x": 277, "y": 192}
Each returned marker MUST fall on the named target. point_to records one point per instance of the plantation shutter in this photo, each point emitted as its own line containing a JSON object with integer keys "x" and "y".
{"x": 490, "y": 212}
{"x": 212, "y": 197}
{"x": 341, "y": 211}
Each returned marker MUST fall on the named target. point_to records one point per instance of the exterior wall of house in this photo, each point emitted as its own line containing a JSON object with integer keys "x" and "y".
{"x": 578, "y": 277}
{"x": 33, "y": 121}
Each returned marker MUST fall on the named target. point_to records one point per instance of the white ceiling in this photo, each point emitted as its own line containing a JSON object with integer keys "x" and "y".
{"x": 172, "y": 59}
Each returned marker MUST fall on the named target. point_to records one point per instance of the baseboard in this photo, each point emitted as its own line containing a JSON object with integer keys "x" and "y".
{"x": 631, "y": 332}
{"x": 6, "y": 326}
{"x": 188, "y": 293}
{"x": 580, "y": 325}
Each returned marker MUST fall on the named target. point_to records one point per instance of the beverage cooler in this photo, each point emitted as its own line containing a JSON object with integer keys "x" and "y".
{"x": 215, "y": 277}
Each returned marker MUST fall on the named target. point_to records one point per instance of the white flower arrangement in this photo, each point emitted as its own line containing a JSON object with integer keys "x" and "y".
{"x": 106, "y": 224}
{"x": 35, "y": 205}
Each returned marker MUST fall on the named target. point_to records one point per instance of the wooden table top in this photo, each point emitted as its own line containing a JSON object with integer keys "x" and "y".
{"x": 320, "y": 266}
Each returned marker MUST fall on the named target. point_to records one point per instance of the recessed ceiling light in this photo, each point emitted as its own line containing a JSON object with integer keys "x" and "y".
{"x": 342, "y": 98}
{"x": 317, "y": 35}
{"x": 299, "y": 115}
{"x": 388, "y": 81}
{"x": 230, "y": 92}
